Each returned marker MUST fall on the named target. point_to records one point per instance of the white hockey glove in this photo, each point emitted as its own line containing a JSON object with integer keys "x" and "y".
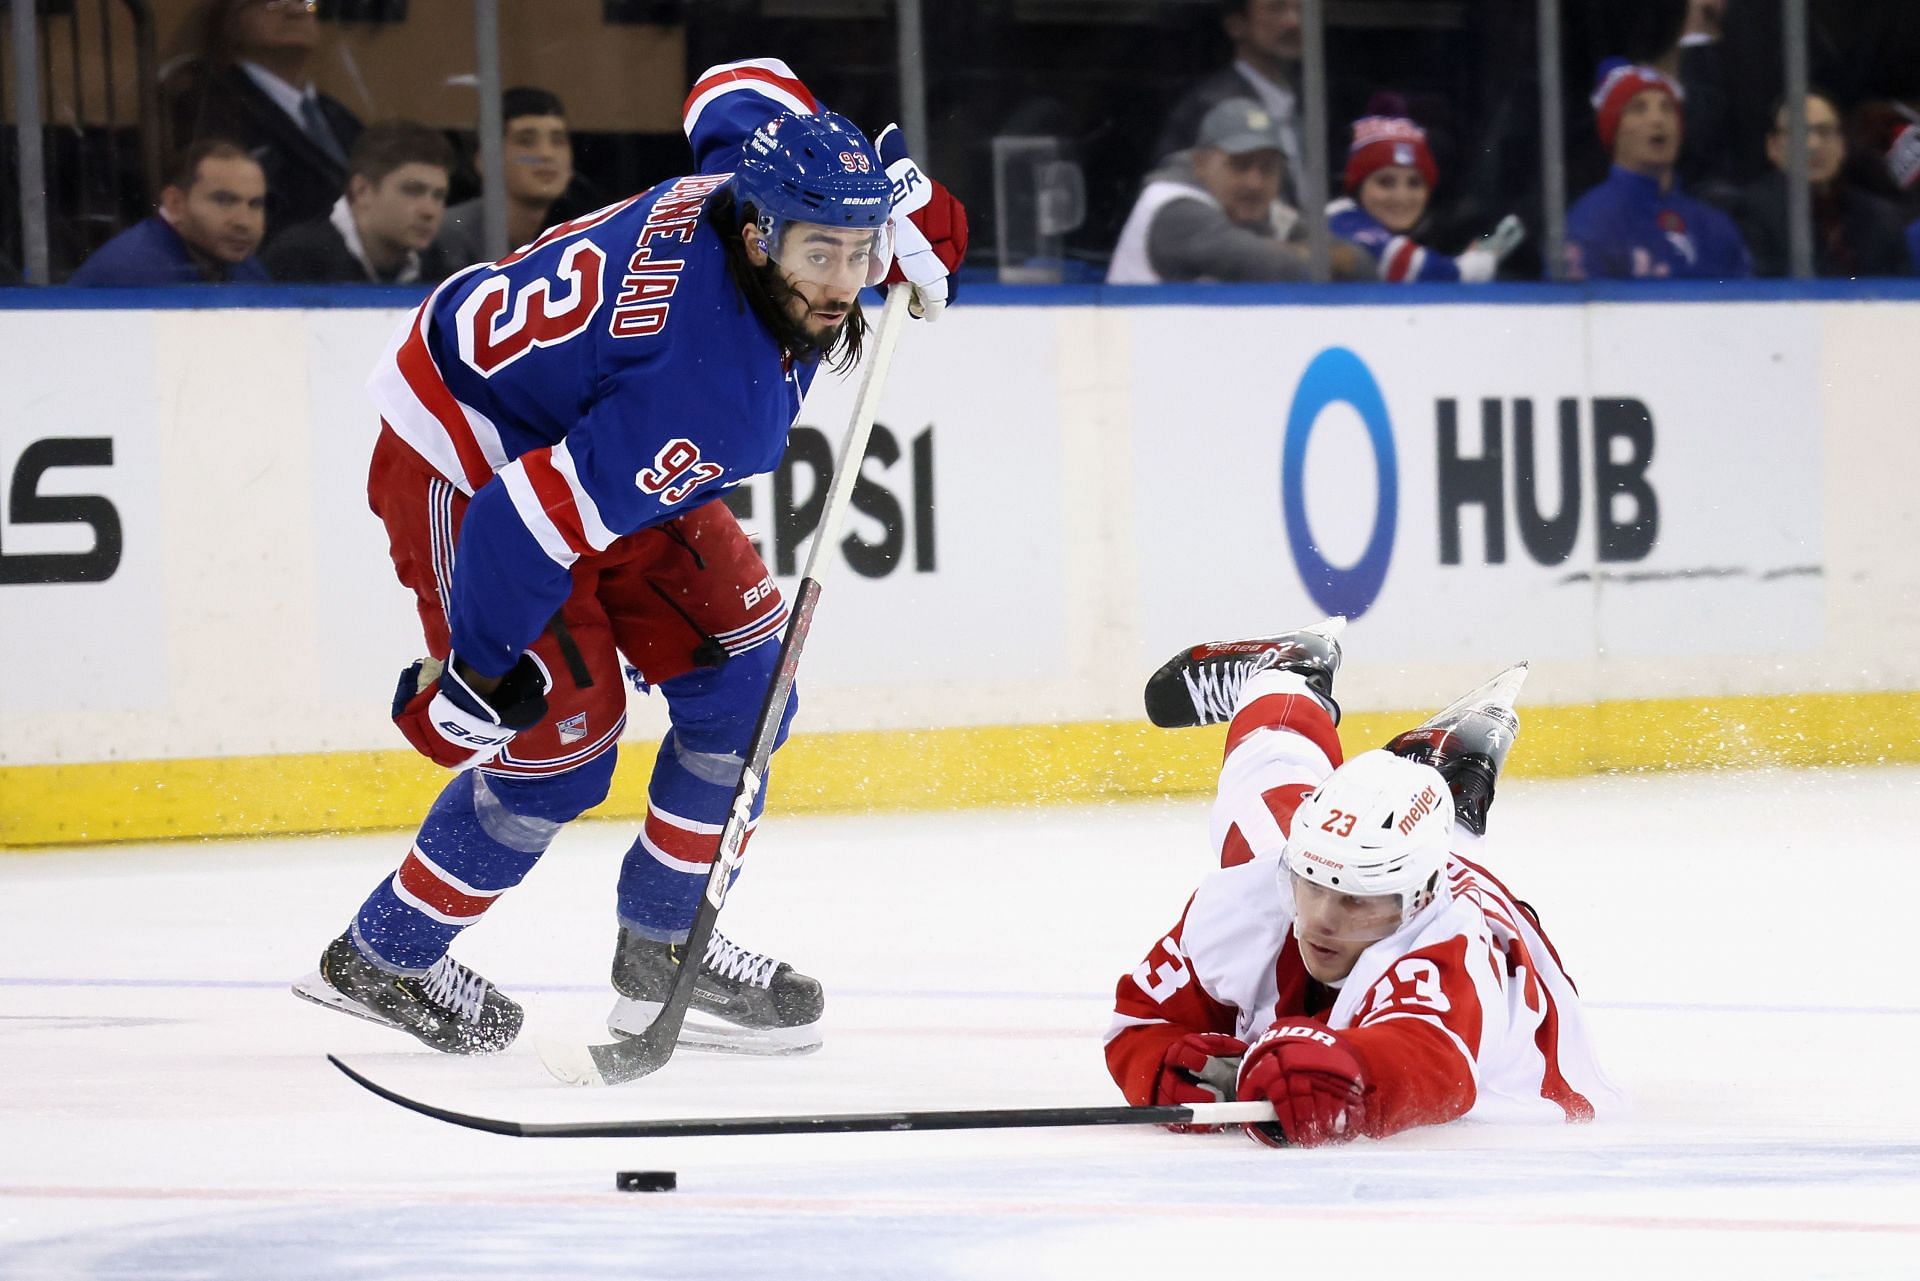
{"x": 929, "y": 228}
{"x": 1481, "y": 263}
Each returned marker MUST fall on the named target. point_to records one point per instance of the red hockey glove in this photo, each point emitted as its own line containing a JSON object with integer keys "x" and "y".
{"x": 1316, "y": 1085}
{"x": 452, "y": 724}
{"x": 929, "y": 228}
{"x": 1198, "y": 1068}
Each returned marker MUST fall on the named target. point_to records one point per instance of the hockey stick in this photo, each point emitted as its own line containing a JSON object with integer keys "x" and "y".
{"x": 632, "y": 1057}
{"x": 827, "y": 1123}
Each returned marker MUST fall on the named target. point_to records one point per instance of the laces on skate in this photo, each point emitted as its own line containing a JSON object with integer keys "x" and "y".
{"x": 729, "y": 960}
{"x": 456, "y": 987}
{"x": 1215, "y": 690}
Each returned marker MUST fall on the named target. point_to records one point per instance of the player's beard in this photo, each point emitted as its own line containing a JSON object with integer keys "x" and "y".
{"x": 770, "y": 296}
{"x": 839, "y": 347}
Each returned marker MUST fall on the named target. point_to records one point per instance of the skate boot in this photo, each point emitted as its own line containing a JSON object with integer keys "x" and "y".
{"x": 1200, "y": 686}
{"x": 1468, "y": 741}
{"x": 449, "y": 1007}
{"x": 743, "y": 1002}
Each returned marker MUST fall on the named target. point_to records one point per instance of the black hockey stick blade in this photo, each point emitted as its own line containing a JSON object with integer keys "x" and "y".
{"x": 828, "y": 1123}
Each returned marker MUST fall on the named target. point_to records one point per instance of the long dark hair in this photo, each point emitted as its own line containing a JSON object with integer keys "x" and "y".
{"x": 767, "y": 292}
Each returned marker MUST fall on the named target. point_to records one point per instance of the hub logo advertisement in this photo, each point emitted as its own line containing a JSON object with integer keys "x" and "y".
{"x": 1619, "y": 441}
{"x": 1477, "y": 484}
{"x": 1338, "y": 377}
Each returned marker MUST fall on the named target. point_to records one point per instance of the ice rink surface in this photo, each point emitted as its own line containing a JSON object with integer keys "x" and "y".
{"x": 1745, "y": 942}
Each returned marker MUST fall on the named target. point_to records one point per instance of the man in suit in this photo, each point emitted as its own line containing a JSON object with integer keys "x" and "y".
{"x": 255, "y": 86}
{"x": 381, "y": 231}
{"x": 1266, "y": 68}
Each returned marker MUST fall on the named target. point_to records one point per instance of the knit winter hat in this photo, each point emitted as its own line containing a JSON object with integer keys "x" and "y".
{"x": 1618, "y": 82}
{"x": 1380, "y": 141}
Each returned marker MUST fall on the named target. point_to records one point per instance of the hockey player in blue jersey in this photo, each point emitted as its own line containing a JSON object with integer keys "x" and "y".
{"x": 1637, "y": 224}
{"x": 1389, "y": 178}
{"x": 558, "y": 428}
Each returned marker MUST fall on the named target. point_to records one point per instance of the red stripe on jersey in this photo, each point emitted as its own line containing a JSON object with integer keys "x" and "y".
{"x": 1283, "y": 800}
{"x": 1399, "y": 259}
{"x": 424, "y": 380}
{"x": 556, "y": 498}
{"x": 678, "y": 843}
{"x": 749, "y": 75}
{"x": 1300, "y": 713}
{"x": 1553, "y": 1085}
{"x": 426, "y": 885}
{"x": 1507, "y": 894}
{"x": 1234, "y": 850}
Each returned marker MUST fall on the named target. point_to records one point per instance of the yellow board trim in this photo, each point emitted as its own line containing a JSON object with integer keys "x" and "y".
{"x": 44, "y": 805}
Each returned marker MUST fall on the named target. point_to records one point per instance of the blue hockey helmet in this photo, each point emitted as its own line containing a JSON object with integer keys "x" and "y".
{"x": 817, "y": 169}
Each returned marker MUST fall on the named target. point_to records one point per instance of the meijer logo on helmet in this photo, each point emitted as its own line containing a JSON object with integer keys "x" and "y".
{"x": 1422, "y": 806}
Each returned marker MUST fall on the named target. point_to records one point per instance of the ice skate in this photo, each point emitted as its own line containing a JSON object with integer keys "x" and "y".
{"x": 1200, "y": 686}
{"x": 743, "y": 1002}
{"x": 1468, "y": 741}
{"x": 449, "y": 1007}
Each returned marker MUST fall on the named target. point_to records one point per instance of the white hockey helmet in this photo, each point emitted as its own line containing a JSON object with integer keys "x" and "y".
{"x": 1380, "y": 824}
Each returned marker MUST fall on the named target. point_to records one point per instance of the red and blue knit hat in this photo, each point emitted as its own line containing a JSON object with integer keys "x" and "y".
{"x": 1619, "y": 80}
{"x": 1381, "y": 141}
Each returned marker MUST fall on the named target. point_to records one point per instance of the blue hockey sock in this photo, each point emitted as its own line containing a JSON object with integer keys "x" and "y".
{"x": 666, "y": 868}
{"x": 469, "y": 851}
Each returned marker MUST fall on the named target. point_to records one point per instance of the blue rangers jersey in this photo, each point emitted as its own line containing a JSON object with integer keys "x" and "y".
{"x": 605, "y": 378}
{"x": 1627, "y": 228}
{"x": 1402, "y": 259}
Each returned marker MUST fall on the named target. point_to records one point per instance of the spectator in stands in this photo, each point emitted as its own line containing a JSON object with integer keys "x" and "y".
{"x": 1389, "y": 178}
{"x": 1214, "y": 213}
{"x": 252, "y": 83}
{"x": 538, "y": 150}
{"x": 212, "y": 214}
{"x": 1637, "y": 224}
{"x": 382, "y": 230}
{"x": 1265, "y": 68}
{"x": 1855, "y": 233}
{"x": 1903, "y": 165}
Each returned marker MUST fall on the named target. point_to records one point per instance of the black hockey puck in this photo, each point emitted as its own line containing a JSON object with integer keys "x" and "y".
{"x": 646, "y": 1181}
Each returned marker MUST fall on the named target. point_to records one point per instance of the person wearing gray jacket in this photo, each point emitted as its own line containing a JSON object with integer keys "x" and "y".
{"x": 1214, "y": 213}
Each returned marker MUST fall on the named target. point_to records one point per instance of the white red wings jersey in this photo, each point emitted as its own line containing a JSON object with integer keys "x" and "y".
{"x": 1465, "y": 1011}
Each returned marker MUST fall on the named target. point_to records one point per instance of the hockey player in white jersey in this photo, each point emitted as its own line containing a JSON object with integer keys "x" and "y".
{"x": 1352, "y": 963}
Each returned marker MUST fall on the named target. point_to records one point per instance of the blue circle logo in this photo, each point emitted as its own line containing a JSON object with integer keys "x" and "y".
{"x": 1338, "y": 377}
